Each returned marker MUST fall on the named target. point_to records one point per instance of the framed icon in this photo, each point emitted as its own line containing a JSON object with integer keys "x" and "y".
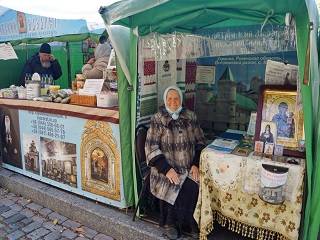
{"x": 277, "y": 104}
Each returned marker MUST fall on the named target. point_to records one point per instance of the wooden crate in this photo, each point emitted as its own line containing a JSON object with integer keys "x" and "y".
{"x": 83, "y": 100}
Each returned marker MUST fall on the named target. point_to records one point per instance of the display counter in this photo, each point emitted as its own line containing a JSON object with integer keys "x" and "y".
{"x": 75, "y": 148}
{"x": 229, "y": 194}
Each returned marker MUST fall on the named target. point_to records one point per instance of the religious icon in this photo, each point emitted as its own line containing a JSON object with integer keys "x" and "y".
{"x": 21, "y": 19}
{"x": 268, "y": 148}
{"x": 99, "y": 165}
{"x": 278, "y": 105}
{"x": 268, "y": 132}
{"x": 278, "y": 150}
{"x": 100, "y": 160}
{"x": 258, "y": 147}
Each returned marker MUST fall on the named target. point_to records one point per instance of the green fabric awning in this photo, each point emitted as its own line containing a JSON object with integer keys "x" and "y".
{"x": 167, "y": 16}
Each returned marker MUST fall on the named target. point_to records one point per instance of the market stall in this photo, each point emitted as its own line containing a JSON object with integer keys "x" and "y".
{"x": 68, "y": 136}
{"x": 219, "y": 54}
{"x": 26, "y": 31}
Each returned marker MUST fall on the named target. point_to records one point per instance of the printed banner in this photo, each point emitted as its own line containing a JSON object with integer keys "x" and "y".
{"x": 240, "y": 40}
{"x": 18, "y": 25}
{"x": 72, "y": 153}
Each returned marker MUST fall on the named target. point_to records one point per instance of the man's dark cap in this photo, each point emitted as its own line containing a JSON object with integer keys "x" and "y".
{"x": 102, "y": 39}
{"x": 45, "y": 48}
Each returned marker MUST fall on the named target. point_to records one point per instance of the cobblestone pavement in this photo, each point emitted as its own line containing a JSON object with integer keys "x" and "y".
{"x": 23, "y": 219}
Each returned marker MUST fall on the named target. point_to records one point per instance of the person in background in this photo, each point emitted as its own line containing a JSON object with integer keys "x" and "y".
{"x": 103, "y": 39}
{"x": 95, "y": 66}
{"x": 43, "y": 63}
{"x": 173, "y": 146}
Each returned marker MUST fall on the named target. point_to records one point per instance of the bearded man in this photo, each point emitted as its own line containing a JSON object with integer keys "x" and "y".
{"x": 43, "y": 63}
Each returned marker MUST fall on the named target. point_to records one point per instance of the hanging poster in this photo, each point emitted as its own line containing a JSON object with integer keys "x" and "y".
{"x": 205, "y": 74}
{"x": 7, "y": 52}
{"x": 279, "y": 73}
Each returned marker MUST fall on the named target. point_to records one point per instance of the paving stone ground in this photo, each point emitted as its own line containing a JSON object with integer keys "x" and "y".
{"x": 23, "y": 219}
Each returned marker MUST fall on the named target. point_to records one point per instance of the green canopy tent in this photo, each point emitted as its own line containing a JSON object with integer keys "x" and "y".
{"x": 24, "y": 31}
{"x": 142, "y": 17}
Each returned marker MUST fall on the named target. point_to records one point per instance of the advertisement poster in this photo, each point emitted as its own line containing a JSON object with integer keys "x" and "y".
{"x": 75, "y": 154}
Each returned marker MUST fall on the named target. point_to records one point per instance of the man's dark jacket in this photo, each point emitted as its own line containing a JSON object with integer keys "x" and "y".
{"x": 34, "y": 65}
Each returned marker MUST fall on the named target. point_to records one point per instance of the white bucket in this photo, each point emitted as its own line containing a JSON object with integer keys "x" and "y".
{"x": 273, "y": 181}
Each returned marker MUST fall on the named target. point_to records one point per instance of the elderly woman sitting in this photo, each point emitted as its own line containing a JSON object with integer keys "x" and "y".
{"x": 173, "y": 146}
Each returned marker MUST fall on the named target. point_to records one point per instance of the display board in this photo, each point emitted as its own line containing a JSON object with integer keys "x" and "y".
{"x": 75, "y": 154}
{"x": 219, "y": 71}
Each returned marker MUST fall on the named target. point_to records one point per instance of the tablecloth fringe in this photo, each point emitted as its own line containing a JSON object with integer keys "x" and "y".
{"x": 241, "y": 228}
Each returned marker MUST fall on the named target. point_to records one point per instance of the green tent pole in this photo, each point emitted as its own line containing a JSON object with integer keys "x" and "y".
{"x": 302, "y": 43}
{"x": 314, "y": 223}
{"x": 125, "y": 130}
{"x": 133, "y": 74}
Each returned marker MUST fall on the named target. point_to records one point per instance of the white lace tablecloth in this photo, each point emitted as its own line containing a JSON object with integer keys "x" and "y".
{"x": 228, "y": 194}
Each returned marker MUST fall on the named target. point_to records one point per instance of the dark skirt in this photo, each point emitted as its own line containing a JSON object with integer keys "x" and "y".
{"x": 180, "y": 214}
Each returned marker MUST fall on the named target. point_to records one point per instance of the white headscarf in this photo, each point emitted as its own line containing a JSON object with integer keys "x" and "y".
{"x": 174, "y": 114}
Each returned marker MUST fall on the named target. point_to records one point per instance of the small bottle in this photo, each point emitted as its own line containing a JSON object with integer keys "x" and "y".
{"x": 26, "y": 78}
{"x": 42, "y": 81}
{"x": 50, "y": 81}
{"x": 46, "y": 81}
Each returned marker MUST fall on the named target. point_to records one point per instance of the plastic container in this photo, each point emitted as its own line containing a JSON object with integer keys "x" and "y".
{"x": 22, "y": 93}
{"x": 33, "y": 89}
{"x": 108, "y": 99}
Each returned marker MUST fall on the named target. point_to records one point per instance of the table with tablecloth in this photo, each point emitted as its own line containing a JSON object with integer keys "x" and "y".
{"x": 228, "y": 194}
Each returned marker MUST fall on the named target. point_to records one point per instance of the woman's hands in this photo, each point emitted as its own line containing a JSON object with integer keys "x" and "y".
{"x": 195, "y": 173}
{"x": 173, "y": 176}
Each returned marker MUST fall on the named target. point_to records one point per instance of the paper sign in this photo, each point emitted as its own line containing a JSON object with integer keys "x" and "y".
{"x": 92, "y": 87}
{"x": 7, "y": 52}
{"x": 278, "y": 73}
{"x": 252, "y": 124}
{"x": 205, "y": 74}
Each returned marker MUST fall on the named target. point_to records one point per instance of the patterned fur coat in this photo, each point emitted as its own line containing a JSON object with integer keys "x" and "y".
{"x": 176, "y": 140}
